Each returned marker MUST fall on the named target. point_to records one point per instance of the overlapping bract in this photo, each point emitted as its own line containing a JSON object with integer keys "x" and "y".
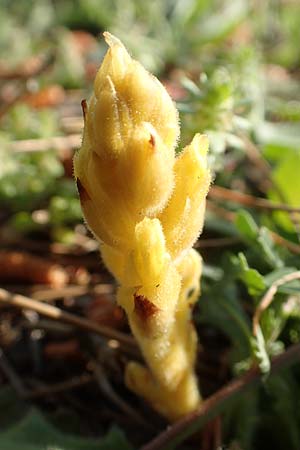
{"x": 146, "y": 208}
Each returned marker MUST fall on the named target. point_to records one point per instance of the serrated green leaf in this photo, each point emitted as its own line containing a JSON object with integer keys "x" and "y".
{"x": 260, "y": 351}
{"x": 251, "y": 277}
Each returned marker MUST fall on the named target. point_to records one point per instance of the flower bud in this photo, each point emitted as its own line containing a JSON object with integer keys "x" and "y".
{"x": 146, "y": 208}
{"x": 135, "y": 96}
{"x": 127, "y": 155}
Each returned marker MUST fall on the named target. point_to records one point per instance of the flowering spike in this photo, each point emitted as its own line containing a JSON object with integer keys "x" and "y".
{"x": 146, "y": 208}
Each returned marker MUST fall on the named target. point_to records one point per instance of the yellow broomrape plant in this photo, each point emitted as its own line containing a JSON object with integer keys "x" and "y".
{"x": 146, "y": 207}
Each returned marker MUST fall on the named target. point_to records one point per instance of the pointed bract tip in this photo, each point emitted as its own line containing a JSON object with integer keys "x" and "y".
{"x": 84, "y": 108}
{"x": 112, "y": 40}
{"x": 201, "y": 141}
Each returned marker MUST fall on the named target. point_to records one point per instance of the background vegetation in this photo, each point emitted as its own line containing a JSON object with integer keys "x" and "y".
{"x": 233, "y": 67}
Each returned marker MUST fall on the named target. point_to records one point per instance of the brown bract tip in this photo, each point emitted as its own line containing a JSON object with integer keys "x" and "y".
{"x": 143, "y": 307}
{"x": 152, "y": 140}
{"x": 83, "y": 194}
{"x": 84, "y": 108}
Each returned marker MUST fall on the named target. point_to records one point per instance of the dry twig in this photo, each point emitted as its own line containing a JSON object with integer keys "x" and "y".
{"x": 44, "y": 144}
{"x": 63, "y": 386}
{"x": 218, "y": 192}
{"x": 53, "y": 312}
{"x": 29, "y": 268}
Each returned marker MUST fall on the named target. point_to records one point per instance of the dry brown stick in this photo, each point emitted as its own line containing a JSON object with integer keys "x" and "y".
{"x": 294, "y": 248}
{"x": 55, "y": 313}
{"x": 48, "y": 295}
{"x": 220, "y": 211}
{"x": 44, "y": 144}
{"x": 269, "y": 296}
{"x": 214, "y": 405}
{"x": 63, "y": 386}
{"x": 218, "y": 192}
{"x": 41, "y": 246}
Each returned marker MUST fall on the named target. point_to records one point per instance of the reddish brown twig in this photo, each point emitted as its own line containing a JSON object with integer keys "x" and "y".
{"x": 44, "y": 144}
{"x": 63, "y": 386}
{"x": 221, "y": 193}
{"x": 217, "y": 242}
{"x": 23, "y": 266}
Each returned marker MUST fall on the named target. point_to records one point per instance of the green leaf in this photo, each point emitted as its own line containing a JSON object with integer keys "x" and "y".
{"x": 221, "y": 308}
{"x": 251, "y": 277}
{"x": 224, "y": 20}
{"x": 246, "y": 225}
{"x": 31, "y": 431}
{"x": 12, "y": 409}
{"x": 281, "y": 411}
{"x": 259, "y": 237}
{"x": 241, "y": 419}
{"x": 266, "y": 244}
{"x": 35, "y": 433}
{"x": 286, "y": 178}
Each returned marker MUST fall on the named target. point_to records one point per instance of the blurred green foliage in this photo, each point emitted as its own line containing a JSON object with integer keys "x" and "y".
{"x": 34, "y": 432}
